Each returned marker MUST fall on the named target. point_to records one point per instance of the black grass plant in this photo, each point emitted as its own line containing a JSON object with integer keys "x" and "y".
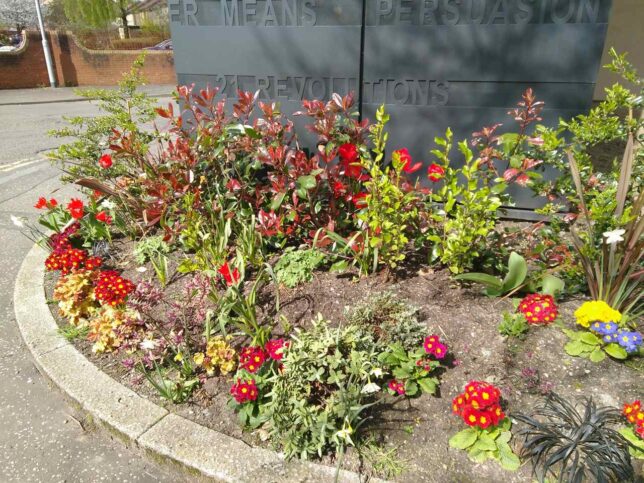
{"x": 575, "y": 445}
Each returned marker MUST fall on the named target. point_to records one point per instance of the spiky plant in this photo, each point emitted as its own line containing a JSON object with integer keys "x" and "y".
{"x": 576, "y": 446}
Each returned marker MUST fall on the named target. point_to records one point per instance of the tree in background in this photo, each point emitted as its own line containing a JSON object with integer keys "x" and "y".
{"x": 98, "y": 14}
{"x": 18, "y": 14}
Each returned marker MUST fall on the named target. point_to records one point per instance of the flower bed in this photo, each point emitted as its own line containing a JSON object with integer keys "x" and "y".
{"x": 333, "y": 300}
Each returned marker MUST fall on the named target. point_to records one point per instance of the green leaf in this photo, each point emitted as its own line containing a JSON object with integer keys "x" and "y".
{"x": 589, "y": 338}
{"x": 575, "y": 348}
{"x": 482, "y": 278}
{"x": 340, "y": 266}
{"x": 551, "y": 285}
{"x": 597, "y": 355}
{"x": 277, "y": 201}
{"x": 616, "y": 351}
{"x": 428, "y": 385}
{"x": 484, "y": 443}
{"x": 464, "y": 439}
{"x": 507, "y": 458}
{"x": 517, "y": 272}
{"x": 306, "y": 182}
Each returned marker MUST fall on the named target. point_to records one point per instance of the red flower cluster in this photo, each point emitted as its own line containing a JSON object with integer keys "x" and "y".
{"x": 105, "y": 161}
{"x": 43, "y": 203}
{"x": 635, "y": 416}
{"x": 112, "y": 289}
{"x": 252, "y": 358}
{"x": 397, "y": 386}
{"x": 66, "y": 259}
{"x": 59, "y": 242}
{"x": 479, "y": 405}
{"x": 75, "y": 208}
{"x": 231, "y": 277}
{"x": 92, "y": 263}
{"x": 538, "y": 309}
{"x": 434, "y": 347}
{"x": 435, "y": 172}
{"x": 244, "y": 391}
{"x": 275, "y": 348}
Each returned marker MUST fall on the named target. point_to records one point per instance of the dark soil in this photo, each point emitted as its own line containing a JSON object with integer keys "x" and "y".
{"x": 420, "y": 428}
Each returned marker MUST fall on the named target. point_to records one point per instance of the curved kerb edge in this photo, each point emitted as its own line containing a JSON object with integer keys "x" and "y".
{"x": 135, "y": 419}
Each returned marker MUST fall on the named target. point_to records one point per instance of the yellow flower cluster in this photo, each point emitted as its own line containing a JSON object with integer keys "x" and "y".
{"x": 75, "y": 296}
{"x": 104, "y": 328}
{"x": 596, "y": 311}
{"x": 219, "y": 354}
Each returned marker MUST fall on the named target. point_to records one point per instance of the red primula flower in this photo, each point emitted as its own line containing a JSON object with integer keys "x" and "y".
{"x": 349, "y": 153}
{"x": 103, "y": 217}
{"x": 434, "y": 347}
{"x": 112, "y": 289}
{"x": 479, "y": 405}
{"x": 231, "y": 278}
{"x": 405, "y": 157}
{"x": 275, "y": 348}
{"x": 53, "y": 203}
{"x": 92, "y": 263}
{"x": 41, "y": 203}
{"x": 244, "y": 391}
{"x": 538, "y": 309}
{"x": 75, "y": 207}
{"x": 105, "y": 161}
{"x": 435, "y": 172}
{"x": 252, "y": 358}
{"x": 397, "y": 386}
{"x": 66, "y": 259}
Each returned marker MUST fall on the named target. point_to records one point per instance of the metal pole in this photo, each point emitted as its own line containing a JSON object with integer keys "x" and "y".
{"x": 45, "y": 47}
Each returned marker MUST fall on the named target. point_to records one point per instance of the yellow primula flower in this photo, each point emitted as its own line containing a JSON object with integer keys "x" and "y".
{"x": 596, "y": 311}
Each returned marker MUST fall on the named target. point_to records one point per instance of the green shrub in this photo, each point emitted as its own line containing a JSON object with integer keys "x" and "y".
{"x": 319, "y": 397}
{"x": 149, "y": 247}
{"x": 296, "y": 267}
{"x": 389, "y": 318}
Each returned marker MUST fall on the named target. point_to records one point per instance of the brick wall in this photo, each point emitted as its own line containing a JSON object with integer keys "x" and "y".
{"x": 76, "y": 65}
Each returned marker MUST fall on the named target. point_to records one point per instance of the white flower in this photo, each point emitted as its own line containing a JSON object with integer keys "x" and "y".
{"x": 376, "y": 371}
{"x": 614, "y": 236}
{"x": 345, "y": 433}
{"x": 148, "y": 345}
{"x": 370, "y": 388}
{"x": 17, "y": 221}
{"x": 108, "y": 204}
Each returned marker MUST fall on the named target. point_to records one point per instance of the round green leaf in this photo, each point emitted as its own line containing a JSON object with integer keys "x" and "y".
{"x": 464, "y": 439}
{"x": 616, "y": 351}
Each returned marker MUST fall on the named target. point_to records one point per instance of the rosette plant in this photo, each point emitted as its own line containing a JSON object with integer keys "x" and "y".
{"x": 573, "y": 445}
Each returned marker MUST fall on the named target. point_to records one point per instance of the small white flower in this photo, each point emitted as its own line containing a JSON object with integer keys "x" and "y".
{"x": 141, "y": 269}
{"x": 345, "y": 433}
{"x": 370, "y": 388}
{"x": 108, "y": 204}
{"x": 148, "y": 345}
{"x": 376, "y": 371}
{"x": 17, "y": 221}
{"x": 614, "y": 236}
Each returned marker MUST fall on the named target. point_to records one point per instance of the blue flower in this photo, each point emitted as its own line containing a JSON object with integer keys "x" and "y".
{"x": 604, "y": 328}
{"x": 608, "y": 338}
{"x": 629, "y": 340}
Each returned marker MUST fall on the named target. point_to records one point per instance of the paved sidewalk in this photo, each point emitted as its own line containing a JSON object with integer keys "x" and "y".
{"x": 48, "y": 95}
{"x": 42, "y": 438}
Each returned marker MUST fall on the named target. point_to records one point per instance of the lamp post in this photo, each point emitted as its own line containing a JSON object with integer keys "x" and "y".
{"x": 45, "y": 46}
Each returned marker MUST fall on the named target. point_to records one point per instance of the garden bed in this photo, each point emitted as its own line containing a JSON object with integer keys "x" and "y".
{"x": 341, "y": 304}
{"x": 525, "y": 369}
